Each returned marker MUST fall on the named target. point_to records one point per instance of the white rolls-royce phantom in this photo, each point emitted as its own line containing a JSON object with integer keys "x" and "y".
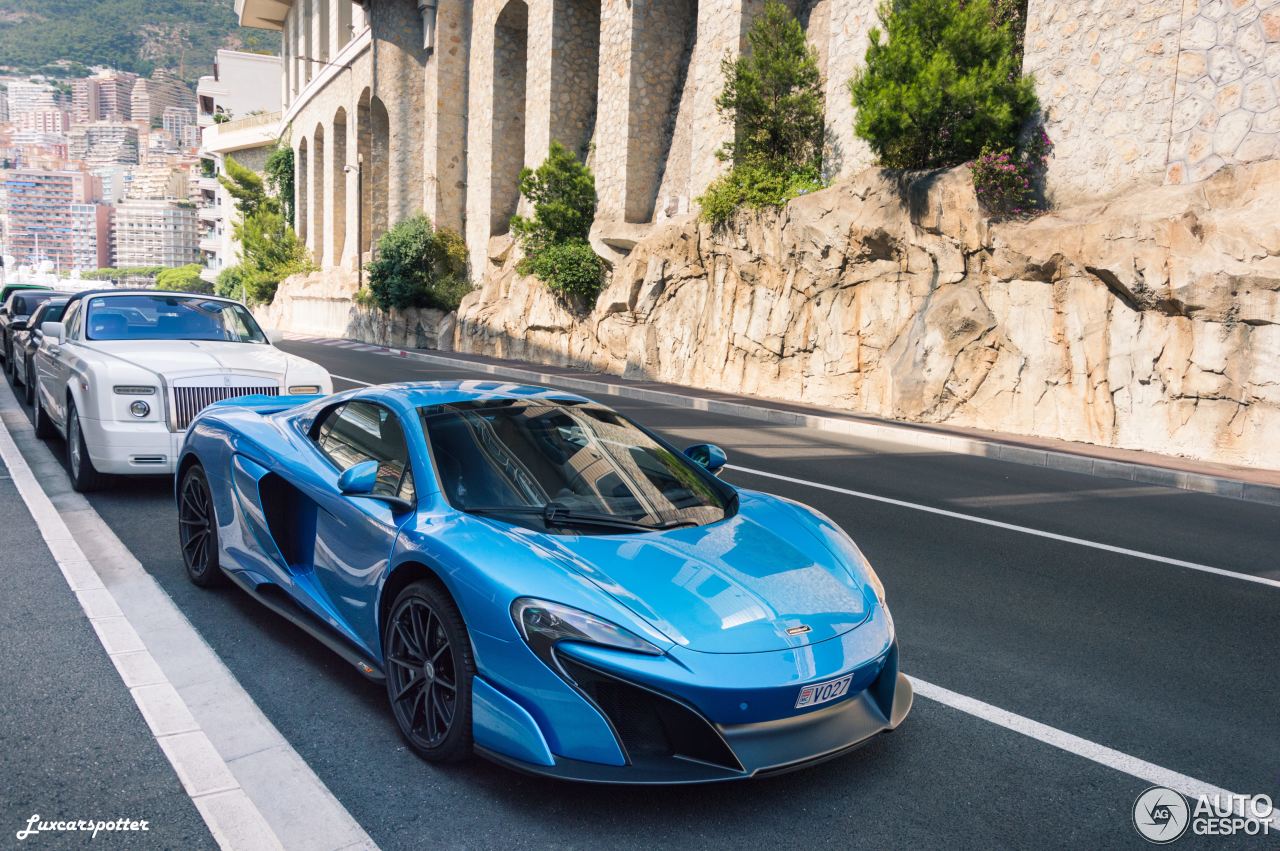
{"x": 123, "y": 373}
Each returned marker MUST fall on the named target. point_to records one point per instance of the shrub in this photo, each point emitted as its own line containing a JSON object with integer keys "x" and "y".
{"x": 419, "y": 266}
{"x": 230, "y": 283}
{"x": 773, "y": 96}
{"x": 945, "y": 85}
{"x": 563, "y": 193}
{"x": 569, "y": 268}
{"x": 1007, "y": 181}
{"x": 756, "y": 187}
{"x": 279, "y": 172}
{"x": 184, "y": 279}
{"x": 270, "y": 252}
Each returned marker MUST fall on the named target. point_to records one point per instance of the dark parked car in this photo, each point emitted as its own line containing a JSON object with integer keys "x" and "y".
{"x": 26, "y": 339}
{"x": 17, "y": 307}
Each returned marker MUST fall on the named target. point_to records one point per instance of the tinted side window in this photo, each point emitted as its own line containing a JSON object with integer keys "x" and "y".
{"x": 359, "y": 432}
{"x": 69, "y": 321}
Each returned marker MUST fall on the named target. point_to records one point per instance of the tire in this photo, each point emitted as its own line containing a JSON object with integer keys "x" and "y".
{"x": 29, "y": 386}
{"x": 84, "y": 478}
{"x": 44, "y": 426}
{"x": 198, "y": 530}
{"x": 19, "y": 376}
{"x": 429, "y": 672}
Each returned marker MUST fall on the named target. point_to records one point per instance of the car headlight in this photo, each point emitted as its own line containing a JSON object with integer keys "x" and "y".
{"x": 304, "y": 390}
{"x": 544, "y": 624}
{"x": 139, "y": 409}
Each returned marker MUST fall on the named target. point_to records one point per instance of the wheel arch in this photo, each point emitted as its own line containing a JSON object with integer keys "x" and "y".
{"x": 403, "y": 575}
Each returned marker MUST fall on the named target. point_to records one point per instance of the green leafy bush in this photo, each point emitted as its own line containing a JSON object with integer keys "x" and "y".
{"x": 113, "y": 274}
{"x": 279, "y": 173}
{"x": 184, "y": 279}
{"x": 419, "y": 266}
{"x": 773, "y": 95}
{"x": 270, "y": 252}
{"x": 569, "y": 268}
{"x": 945, "y": 85}
{"x": 563, "y": 193}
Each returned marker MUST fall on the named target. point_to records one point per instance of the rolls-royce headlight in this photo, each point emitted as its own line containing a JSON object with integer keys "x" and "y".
{"x": 134, "y": 390}
{"x": 139, "y": 409}
{"x": 304, "y": 390}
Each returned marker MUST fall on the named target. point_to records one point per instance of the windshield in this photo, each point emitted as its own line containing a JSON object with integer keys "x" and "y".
{"x": 169, "y": 317}
{"x": 514, "y": 459}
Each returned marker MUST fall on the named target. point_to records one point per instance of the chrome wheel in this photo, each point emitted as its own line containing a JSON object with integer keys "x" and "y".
{"x": 73, "y": 446}
{"x": 422, "y": 674}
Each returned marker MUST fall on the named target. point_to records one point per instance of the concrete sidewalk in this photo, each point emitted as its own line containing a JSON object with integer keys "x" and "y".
{"x": 1252, "y": 484}
{"x": 75, "y": 745}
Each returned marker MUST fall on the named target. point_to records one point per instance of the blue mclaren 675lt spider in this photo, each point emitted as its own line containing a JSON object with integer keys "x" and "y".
{"x": 539, "y": 580}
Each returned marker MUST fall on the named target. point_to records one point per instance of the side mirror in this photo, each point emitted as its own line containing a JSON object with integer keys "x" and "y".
{"x": 55, "y": 331}
{"x": 18, "y": 325}
{"x": 709, "y": 455}
{"x": 360, "y": 479}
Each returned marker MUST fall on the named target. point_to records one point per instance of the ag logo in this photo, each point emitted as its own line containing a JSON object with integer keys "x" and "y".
{"x": 1161, "y": 815}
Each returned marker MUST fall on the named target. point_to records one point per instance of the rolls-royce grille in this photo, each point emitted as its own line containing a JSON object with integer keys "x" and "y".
{"x": 189, "y": 401}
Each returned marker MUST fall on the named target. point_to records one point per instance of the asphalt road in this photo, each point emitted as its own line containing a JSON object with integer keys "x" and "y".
{"x": 1166, "y": 664}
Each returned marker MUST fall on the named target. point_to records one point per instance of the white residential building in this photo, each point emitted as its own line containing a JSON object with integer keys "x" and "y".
{"x": 156, "y": 233}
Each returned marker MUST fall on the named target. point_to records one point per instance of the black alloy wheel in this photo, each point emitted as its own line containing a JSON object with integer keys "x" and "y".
{"x": 198, "y": 529}
{"x": 429, "y": 671}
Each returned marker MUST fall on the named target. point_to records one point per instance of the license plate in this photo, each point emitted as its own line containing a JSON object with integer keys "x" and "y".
{"x": 824, "y": 692}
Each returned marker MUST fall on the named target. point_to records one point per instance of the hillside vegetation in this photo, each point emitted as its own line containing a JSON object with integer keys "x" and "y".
{"x": 133, "y": 35}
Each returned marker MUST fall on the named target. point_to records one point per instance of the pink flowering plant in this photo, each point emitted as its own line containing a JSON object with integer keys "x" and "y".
{"x": 1008, "y": 180}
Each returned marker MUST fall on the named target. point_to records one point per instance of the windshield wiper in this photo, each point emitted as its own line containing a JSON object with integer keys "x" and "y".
{"x": 555, "y": 514}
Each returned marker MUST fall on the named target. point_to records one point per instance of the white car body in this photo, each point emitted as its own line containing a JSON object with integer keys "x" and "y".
{"x": 103, "y": 378}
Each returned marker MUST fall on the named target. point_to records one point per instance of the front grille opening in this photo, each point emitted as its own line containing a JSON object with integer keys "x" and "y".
{"x": 148, "y": 459}
{"x": 650, "y": 725}
{"x": 189, "y": 401}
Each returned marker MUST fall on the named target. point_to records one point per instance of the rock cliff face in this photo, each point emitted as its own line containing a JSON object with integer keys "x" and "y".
{"x": 1147, "y": 322}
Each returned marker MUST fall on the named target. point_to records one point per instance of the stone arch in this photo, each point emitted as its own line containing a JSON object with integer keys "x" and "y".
{"x": 316, "y": 215}
{"x": 664, "y": 41}
{"x": 510, "y": 69}
{"x": 339, "y": 184}
{"x": 364, "y": 159}
{"x": 379, "y": 170}
{"x": 302, "y": 205}
{"x": 575, "y": 73}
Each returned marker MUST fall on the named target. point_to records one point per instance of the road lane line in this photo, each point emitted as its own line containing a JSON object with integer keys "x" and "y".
{"x": 350, "y": 380}
{"x": 1101, "y": 754}
{"x": 1190, "y": 565}
{"x": 202, "y": 727}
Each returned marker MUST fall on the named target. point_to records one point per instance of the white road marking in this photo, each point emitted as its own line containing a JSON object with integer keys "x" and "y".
{"x": 248, "y": 783}
{"x": 1013, "y": 527}
{"x": 184, "y": 744}
{"x": 350, "y": 380}
{"x": 1101, "y": 754}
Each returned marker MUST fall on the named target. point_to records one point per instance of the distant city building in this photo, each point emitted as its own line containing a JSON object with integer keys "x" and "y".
{"x": 45, "y": 121}
{"x": 104, "y": 143}
{"x": 40, "y": 221}
{"x": 104, "y": 97}
{"x": 91, "y": 236}
{"x": 28, "y": 96}
{"x": 180, "y": 123}
{"x": 157, "y": 183}
{"x": 151, "y": 97}
{"x": 239, "y": 109}
{"x": 156, "y": 233}
{"x": 4, "y": 106}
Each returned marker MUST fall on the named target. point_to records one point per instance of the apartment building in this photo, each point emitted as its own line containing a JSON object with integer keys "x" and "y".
{"x": 151, "y": 97}
{"x": 41, "y": 222}
{"x": 156, "y": 233}
{"x": 91, "y": 236}
{"x": 28, "y": 96}
{"x": 104, "y": 143}
{"x": 104, "y": 97}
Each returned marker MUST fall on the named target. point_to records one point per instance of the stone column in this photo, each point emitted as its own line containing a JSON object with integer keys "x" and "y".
{"x": 613, "y": 114}
{"x": 849, "y": 24}
{"x": 306, "y": 24}
{"x": 321, "y": 34}
{"x": 537, "y": 117}
{"x": 445, "y": 118}
{"x": 340, "y": 16}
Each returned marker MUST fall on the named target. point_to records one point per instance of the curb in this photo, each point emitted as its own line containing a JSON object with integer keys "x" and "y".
{"x": 901, "y": 435}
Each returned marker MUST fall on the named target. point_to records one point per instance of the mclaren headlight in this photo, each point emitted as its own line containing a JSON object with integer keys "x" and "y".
{"x": 544, "y": 624}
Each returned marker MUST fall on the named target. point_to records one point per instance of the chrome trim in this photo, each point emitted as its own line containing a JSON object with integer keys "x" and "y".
{"x": 188, "y": 401}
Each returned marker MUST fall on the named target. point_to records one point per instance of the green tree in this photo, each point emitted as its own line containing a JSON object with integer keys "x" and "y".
{"x": 562, "y": 192}
{"x": 946, "y": 84}
{"x": 247, "y": 187}
{"x": 773, "y": 96}
{"x": 183, "y": 279}
{"x": 279, "y": 171}
{"x": 270, "y": 252}
{"x": 419, "y": 266}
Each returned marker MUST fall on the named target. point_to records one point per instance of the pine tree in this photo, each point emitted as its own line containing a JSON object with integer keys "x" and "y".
{"x": 773, "y": 95}
{"x": 247, "y": 187}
